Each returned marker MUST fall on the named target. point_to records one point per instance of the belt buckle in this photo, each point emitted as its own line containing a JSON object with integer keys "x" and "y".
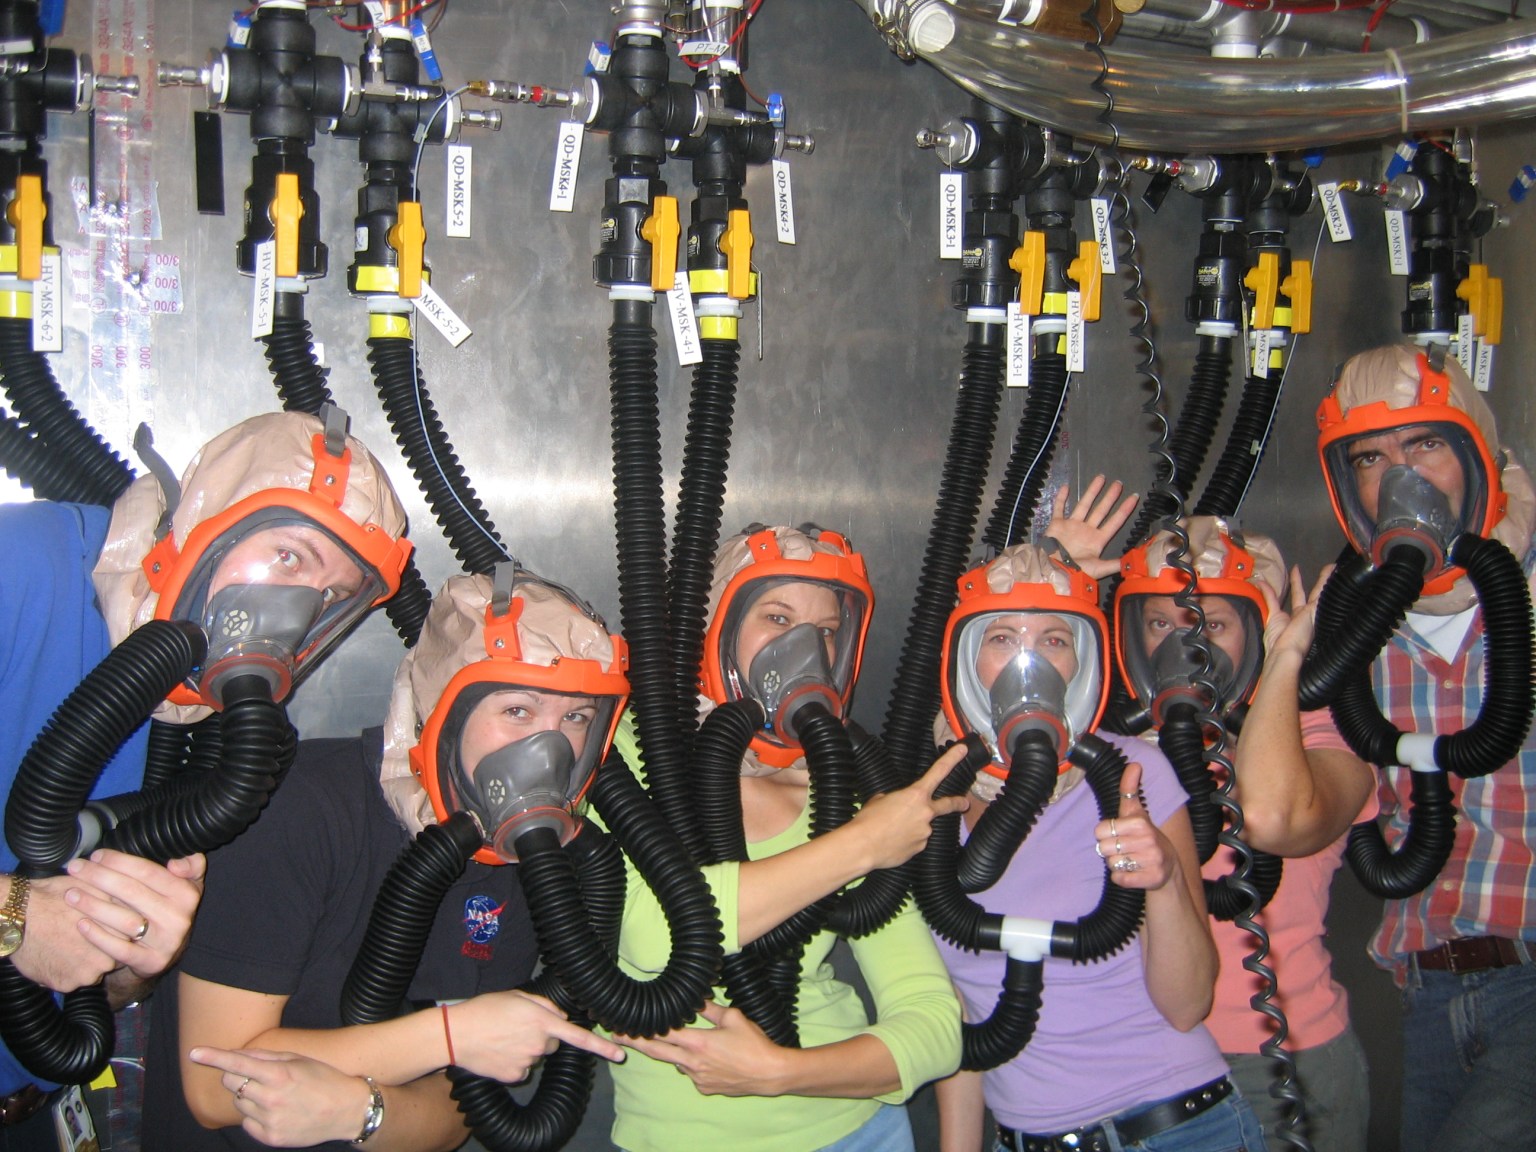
{"x": 22, "y": 1104}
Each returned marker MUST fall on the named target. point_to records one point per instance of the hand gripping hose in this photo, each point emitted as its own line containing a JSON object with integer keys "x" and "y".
{"x": 44, "y": 411}
{"x": 572, "y": 945}
{"x": 1034, "y": 443}
{"x": 963, "y": 922}
{"x": 387, "y": 959}
{"x": 1356, "y": 616}
{"x": 870, "y": 906}
{"x": 718, "y": 750}
{"x": 915, "y": 697}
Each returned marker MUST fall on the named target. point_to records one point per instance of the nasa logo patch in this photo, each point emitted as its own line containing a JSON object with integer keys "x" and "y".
{"x": 482, "y": 924}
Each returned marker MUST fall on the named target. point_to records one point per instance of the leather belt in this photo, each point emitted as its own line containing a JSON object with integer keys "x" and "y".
{"x": 1136, "y": 1127}
{"x": 22, "y": 1104}
{"x": 1474, "y": 954}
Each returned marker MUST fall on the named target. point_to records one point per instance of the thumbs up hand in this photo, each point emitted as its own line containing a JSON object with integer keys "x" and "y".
{"x": 1137, "y": 854}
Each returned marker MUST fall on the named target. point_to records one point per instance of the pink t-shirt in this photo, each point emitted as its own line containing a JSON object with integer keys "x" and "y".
{"x": 1316, "y": 1007}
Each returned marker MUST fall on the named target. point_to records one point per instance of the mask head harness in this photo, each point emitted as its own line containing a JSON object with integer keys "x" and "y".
{"x": 547, "y": 727}
{"x": 278, "y": 628}
{"x": 1006, "y": 630}
{"x": 1410, "y": 509}
{"x": 794, "y": 667}
{"x": 1158, "y": 661}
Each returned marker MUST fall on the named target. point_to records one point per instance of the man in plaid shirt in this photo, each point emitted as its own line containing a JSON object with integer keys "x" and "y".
{"x": 1408, "y": 446}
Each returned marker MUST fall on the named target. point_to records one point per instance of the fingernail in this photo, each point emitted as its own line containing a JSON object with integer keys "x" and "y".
{"x": 72, "y": 896}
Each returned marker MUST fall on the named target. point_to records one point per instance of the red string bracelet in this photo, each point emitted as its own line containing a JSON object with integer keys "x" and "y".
{"x": 448, "y": 1034}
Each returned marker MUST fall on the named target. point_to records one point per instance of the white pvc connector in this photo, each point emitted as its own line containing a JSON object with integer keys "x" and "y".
{"x": 930, "y": 28}
{"x": 1027, "y": 939}
{"x": 1417, "y": 751}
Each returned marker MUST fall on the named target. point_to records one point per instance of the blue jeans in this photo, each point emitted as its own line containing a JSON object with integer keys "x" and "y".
{"x": 1469, "y": 1047}
{"x": 1230, "y": 1126}
{"x": 888, "y": 1130}
{"x": 1334, "y": 1085}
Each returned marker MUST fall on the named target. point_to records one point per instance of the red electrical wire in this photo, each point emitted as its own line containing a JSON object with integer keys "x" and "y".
{"x": 1298, "y": 7}
{"x": 402, "y": 18}
{"x": 731, "y": 43}
{"x": 1373, "y": 23}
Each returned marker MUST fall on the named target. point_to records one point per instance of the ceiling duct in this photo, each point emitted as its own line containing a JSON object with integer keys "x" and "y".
{"x": 1187, "y": 103}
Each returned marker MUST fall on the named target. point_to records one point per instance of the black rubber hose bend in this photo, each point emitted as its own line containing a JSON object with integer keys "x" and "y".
{"x": 915, "y": 697}
{"x": 1007, "y": 820}
{"x": 41, "y": 406}
{"x": 1192, "y": 434}
{"x": 1011, "y": 1026}
{"x": 948, "y": 910}
{"x": 290, "y": 351}
{"x": 1379, "y": 603}
{"x": 61, "y": 767}
{"x": 413, "y": 420}
{"x": 166, "y": 757}
{"x": 1112, "y": 923}
{"x": 28, "y": 460}
{"x": 1422, "y": 852}
{"x": 1183, "y": 742}
{"x": 696, "y": 524}
{"x": 1244, "y": 451}
{"x": 571, "y": 943}
{"x": 69, "y": 1044}
{"x": 1029, "y": 463}
{"x": 870, "y": 906}
{"x": 640, "y": 522}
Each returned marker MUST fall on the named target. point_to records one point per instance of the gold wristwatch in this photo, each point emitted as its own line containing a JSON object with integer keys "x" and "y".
{"x": 13, "y": 915}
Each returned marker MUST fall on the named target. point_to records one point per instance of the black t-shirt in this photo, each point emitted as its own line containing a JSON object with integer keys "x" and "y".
{"x": 285, "y": 908}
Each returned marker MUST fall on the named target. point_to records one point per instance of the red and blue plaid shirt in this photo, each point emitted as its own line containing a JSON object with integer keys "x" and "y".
{"x": 1488, "y": 886}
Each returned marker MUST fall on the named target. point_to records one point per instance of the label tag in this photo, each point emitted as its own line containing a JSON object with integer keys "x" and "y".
{"x": 461, "y": 174}
{"x": 443, "y": 318}
{"x": 1104, "y": 234}
{"x": 1334, "y": 213}
{"x": 1018, "y": 346}
{"x": 1397, "y": 241}
{"x": 1482, "y": 377}
{"x": 685, "y": 328}
{"x": 73, "y": 1127}
{"x": 562, "y": 191}
{"x": 266, "y": 289}
{"x": 1262, "y": 339}
{"x": 711, "y": 49}
{"x": 1077, "y": 352}
{"x": 1466, "y": 350}
{"x": 783, "y": 203}
{"x": 376, "y": 13}
{"x": 951, "y": 212}
{"x": 47, "y": 298}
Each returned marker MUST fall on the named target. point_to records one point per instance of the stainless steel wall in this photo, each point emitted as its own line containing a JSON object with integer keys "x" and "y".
{"x": 842, "y": 420}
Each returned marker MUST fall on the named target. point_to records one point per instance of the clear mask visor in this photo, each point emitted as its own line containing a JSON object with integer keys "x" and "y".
{"x": 1164, "y": 663}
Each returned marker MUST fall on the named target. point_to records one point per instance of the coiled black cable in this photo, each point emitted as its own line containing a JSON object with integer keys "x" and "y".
{"x": 640, "y": 521}
{"x": 696, "y": 523}
{"x": 432, "y": 460}
{"x": 1034, "y": 444}
{"x": 619, "y": 1003}
{"x": 44, "y": 411}
{"x": 915, "y": 697}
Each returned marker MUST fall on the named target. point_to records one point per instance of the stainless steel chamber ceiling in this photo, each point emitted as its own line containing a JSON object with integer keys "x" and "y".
{"x": 845, "y": 400}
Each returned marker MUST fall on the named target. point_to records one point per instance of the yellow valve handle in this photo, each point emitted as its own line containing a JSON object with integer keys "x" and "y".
{"x": 26, "y": 212}
{"x": 737, "y": 246}
{"x": 1474, "y": 290}
{"x": 1493, "y": 330}
{"x": 409, "y": 240}
{"x": 661, "y": 230}
{"x": 1264, "y": 281}
{"x": 1028, "y": 260}
{"x": 286, "y": 212}
{"x": 1298, "y": 289}
{"x": 1090, "y": 278}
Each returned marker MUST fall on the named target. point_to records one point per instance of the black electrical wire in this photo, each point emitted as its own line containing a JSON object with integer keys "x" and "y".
{"x": 1034, "y": 444}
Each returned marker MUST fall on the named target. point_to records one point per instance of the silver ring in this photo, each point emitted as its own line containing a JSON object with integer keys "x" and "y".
{"x": 1126, "y": 864}
{"x": 1098, "y": 850}
{"x": 143, "y": 930}
{"x": 1119, "y": 851}
{"x": 240, "y": 1091}
{"x": 1112, "y": 831}
{"x": 1127, "y": 795}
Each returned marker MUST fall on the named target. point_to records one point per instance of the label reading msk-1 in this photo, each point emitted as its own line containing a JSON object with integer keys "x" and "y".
{"x": 461, "y": 172}
{"x": 951, "y": 214}
{"x": 1333, "y": 212}
{"x": 562, "y": 191}
{"x": 443, "y": 318}
{"x": 1104, "y": 234}
{"x": 1077, "y": 353}
{"x": 266, "y": 289}
{"x": 1397, "y": 241}
{"x": 47, "y": 299}
{"x": 685, "y": 327}
{"x": 1018, "y": 346}
{"x": 783, "y": 203}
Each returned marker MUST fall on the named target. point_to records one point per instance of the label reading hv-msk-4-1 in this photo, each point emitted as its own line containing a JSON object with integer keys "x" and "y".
{"x": 562, "y": 189}
{"x": 47, "y": 301}
{"x": 685, "y": 325}
{"x": 461, "y": 172}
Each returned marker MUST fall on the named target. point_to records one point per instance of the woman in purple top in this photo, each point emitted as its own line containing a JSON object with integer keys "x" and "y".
{"x": 1119, "y": 1059}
